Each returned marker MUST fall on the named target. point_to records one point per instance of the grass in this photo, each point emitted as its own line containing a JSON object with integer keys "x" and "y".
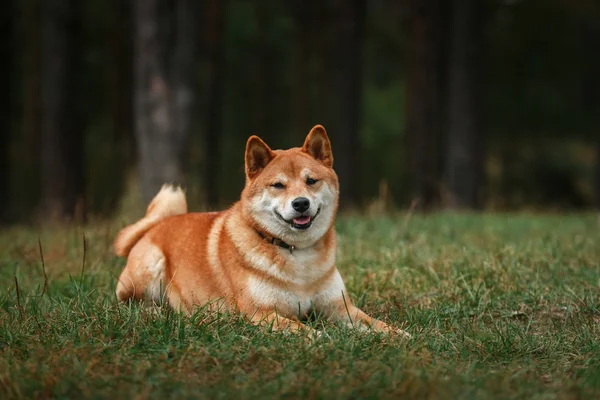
{"x": 500, "y": 306}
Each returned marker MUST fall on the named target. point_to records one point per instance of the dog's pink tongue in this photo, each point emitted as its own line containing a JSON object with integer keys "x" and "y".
{"x": 302, "y": 220}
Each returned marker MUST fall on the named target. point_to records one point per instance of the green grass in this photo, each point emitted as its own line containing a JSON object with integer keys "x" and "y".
{"x": 500, "y": 306}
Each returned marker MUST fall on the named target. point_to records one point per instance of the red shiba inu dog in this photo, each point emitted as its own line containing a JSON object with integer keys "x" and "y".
{"x": 271, "y": 256}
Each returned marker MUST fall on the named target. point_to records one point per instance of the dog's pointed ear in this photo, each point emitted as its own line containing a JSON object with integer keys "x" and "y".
{"x": 318, "y": 146}
{"x": 258, "y": 155}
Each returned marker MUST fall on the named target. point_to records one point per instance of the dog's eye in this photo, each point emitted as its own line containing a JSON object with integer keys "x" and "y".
{"x": 311, "y": 181}
{"x": 278, "y": 185}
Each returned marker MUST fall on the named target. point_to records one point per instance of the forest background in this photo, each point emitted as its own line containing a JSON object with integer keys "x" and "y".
{"x": 477, "y": 105}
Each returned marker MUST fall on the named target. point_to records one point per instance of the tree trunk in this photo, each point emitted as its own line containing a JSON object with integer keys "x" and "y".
{"x": 163, "y": 89}
{"x": 464, "y": 162}
{"x": 121, "y": 75}
{"x": 260, "y": 72}
{"x": 591, "y": 83}
{"x": 345, "y": 90}
{"x": 301, "y": 82}
{"x": 598, "y": 177}
{"x": 423, "y": 98}
{"x": 61, "y": 141}
{"x": 31, "y": 123}
{"x": 215, "y": 30}
{"x": 183, "y": 73}
{"x": 7, "y": 17}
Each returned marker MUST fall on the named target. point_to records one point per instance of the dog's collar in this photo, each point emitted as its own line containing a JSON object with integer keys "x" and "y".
{"x": 277, "y": 242}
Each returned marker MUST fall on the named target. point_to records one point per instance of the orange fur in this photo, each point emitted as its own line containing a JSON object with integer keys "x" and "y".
{"x": 192, "y": 259}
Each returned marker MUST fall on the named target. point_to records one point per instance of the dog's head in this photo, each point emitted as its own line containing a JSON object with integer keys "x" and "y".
{"x": 292, "y": 194}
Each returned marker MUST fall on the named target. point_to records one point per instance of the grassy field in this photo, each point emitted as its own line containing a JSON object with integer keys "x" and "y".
{"x": 500, "y": 306}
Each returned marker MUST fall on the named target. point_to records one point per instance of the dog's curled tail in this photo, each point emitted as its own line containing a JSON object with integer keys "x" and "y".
{"x": 169, "y": 201}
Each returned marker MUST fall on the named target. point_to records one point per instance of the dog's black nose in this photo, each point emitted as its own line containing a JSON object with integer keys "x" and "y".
{"x": 301, "y": 204}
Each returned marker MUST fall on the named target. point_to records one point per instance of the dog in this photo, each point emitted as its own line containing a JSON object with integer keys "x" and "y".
{"x": 270, "y": 256}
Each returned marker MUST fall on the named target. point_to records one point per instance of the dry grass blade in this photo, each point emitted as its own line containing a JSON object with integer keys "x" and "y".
{"x": 19, "y": 307}
{"x": 43, "y": 269}
{"x": 409, "y": 214}
{"x": 84, "y": 258}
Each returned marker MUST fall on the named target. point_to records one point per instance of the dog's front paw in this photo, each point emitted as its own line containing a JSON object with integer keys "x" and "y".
{"x": 403, "y": 333}
{"x": 392, "y": 330}
{"x": 314, "y": 335}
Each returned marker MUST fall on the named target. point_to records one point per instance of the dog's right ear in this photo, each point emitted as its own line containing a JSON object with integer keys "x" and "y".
{"x": 258, "y": 155}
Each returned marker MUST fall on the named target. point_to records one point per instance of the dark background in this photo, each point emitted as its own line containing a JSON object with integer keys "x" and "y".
{"x": 460, "y": 104}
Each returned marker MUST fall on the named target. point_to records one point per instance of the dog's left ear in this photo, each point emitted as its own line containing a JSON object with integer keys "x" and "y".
{"x": 258, "y": 155}
{"x": 318, "y": 146}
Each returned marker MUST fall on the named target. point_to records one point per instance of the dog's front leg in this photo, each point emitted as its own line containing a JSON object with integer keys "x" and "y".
{"x": 342, "y": 310}
{"x": 268, "y": 317}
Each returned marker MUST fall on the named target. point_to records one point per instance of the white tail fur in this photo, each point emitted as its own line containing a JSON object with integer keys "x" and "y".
{"x": 169, "y": 201}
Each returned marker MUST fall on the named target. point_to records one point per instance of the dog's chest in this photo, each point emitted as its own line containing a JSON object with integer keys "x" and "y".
{"x": 297, "y": 282}
{"x": 286, "y": 302}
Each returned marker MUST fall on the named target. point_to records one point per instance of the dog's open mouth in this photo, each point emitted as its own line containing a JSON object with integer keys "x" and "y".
{"x": 301, "y": 222}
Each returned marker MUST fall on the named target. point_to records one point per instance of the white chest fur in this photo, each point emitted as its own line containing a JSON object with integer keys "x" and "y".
{"x": 285, "y": 302}
{"x": 298, "y": 286}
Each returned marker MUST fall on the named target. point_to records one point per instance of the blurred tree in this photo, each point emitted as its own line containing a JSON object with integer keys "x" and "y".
{"x": 61, "y": 134}
{"x": 215, "y": 42}
{"x": 597, "y": 183}
{"x": 423, "y": 93}
{"x": 121, "y": 76}
{"x": 268, "y": 67}
{"x": 29, "y": 186}
{"x": 592, "y": 90}
{"x": 343, "y": 61}
{"x": 305, "y": 34}
{"x": 7, "y": 17}
{"x": 165, "y": 55}
{"x": 183, "y": 69}
{"x": 261, "y": 69}
{"x": 591, "y": 83}
{"x": 464, "y": 141}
